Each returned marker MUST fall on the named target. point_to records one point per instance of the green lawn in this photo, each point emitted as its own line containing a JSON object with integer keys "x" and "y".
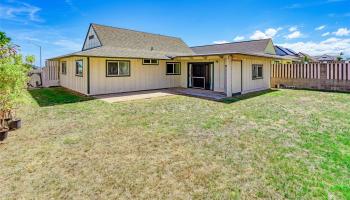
{"x": 286, "y": 144}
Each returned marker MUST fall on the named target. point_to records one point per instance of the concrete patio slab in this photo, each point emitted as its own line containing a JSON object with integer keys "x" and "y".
{"x": 130, "y": 96}
{"x": 207, "y": 94}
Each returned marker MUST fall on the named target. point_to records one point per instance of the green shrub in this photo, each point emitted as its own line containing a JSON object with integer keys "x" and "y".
{"x": 13, "y": 77}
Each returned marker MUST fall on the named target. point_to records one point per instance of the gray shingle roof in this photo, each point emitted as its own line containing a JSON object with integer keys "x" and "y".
{"x": 325, "y": 57}
{"x": 125, "y": 43}
{"x": 253, "y": 46}
{"x": 108, "y": 51}
{"x": 118, "y": 42}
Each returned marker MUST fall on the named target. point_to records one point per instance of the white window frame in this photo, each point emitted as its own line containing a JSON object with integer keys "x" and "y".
{"x": 255, "y": 71}
{"x": 156, "y": 62}
{"x": 174, "y": 64}
{"x": 82, "y": 68}
{"x": 118, "y": 74}
{"x": 64, "y": 72}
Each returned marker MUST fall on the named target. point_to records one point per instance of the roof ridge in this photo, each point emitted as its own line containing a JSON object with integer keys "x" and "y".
{"x": 129, "y": 49}
{"x": 231, "y": 43}
{"x": 136, "y": 31}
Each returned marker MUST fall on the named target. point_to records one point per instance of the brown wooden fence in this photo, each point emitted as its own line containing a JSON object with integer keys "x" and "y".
{"x": 50, "y": 74}
{"x": 323, "y": 76}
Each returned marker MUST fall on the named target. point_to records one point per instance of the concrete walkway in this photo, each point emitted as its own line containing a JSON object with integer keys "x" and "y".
{"x": 130, "y": 96}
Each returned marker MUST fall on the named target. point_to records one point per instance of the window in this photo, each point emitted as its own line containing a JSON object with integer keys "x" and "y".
{"x": 64, "y": 67}
{"x": 117, "y": 68}
{"x": 79, "y": 67}
{"x": 150, "y": 62}
{"x": 173, "y": 68}
{"x": 257, "y": 71}
{"x": 91, "y": 37}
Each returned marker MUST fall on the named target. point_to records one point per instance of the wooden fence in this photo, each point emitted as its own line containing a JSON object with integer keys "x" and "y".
{"x": 323, "y": 76}
{"x": 50, "y": 74}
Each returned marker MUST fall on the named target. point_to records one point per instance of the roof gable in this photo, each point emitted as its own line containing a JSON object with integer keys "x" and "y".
{"x": 326, "y": 57}
{"x": 253, "y": 46}
{"x": 270, "y": 49}
{"x": 91, "y": 39}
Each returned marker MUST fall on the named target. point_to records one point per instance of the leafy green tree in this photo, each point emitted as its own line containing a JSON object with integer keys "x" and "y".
{"x": 6, "y": 47}
{"x": 13, "y": 77}
{"x": 306, "y": 59}
{"x": 4, "y": 40}
{"x": 340, "y": 57}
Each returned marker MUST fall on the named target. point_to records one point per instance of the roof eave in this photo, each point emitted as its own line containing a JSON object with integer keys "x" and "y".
{"x": 235, "y": 53}
{"x": 110, "y": 57}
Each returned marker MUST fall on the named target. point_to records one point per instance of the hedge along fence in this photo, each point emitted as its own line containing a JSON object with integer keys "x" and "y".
{"x": 321, "y": 76}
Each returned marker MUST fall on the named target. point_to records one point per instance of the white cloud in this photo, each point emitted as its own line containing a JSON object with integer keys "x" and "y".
{"x": 238, "y": 38}
{"x": 258, "y": 35}
{"x": 220, "y": 42}
{"x": 19, "y": 11}
{"x": 320, "y": 27}
{"x": 294, "y": 35}
{"x": 32, "y": 39}
{"x": 331, "y": 46}
{"x": 293, "y": 28}
{"x": 325, "y": 34}
{"x": 68, "y": 44}
{"x": 342, "y": 32}
{"x": 269, "y": 33}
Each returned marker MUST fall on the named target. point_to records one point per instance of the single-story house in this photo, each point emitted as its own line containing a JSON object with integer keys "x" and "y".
{"x": 115, "y": 60}
{"x": 325, "y": 58}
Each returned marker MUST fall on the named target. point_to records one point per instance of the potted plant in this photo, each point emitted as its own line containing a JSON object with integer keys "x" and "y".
{"x": 3, "y": 133}
{"x": 13, "y": 123}
{"x": 3, "y": 129}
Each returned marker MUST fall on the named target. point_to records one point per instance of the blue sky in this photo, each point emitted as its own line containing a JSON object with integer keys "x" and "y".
{"x": 314, "y": 27}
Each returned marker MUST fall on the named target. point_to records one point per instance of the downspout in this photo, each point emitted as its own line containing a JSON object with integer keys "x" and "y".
{"x": 241, "y": 76}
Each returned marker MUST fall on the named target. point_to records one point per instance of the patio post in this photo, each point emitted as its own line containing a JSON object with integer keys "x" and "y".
{"x": 228, "y": 66}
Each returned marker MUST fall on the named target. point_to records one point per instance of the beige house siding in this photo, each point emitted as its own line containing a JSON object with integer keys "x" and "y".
{"x": 70, "y": 80}
{"x": 236, "y": 77}
{"x": 142, "y": 77}
{"x": 250, "y": 85}
{"x": 147, "y": 77}
{"x": 219, "y": 71}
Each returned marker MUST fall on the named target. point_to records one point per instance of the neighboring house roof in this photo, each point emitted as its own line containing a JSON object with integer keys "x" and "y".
{"x": 281, "y": 51}
{"x": 325, "y": 57}
{"x": 302, "y": 55}
{"x": 245, "y": 47}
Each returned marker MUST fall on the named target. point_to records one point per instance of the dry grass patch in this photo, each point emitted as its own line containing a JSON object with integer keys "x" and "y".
{"x": 275, "y": 145}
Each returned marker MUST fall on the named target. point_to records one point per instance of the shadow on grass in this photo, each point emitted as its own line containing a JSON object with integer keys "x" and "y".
{"x": 319, "y": 90}
{"x": 247, "y": 96}
{"x": 56, "y": 96}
